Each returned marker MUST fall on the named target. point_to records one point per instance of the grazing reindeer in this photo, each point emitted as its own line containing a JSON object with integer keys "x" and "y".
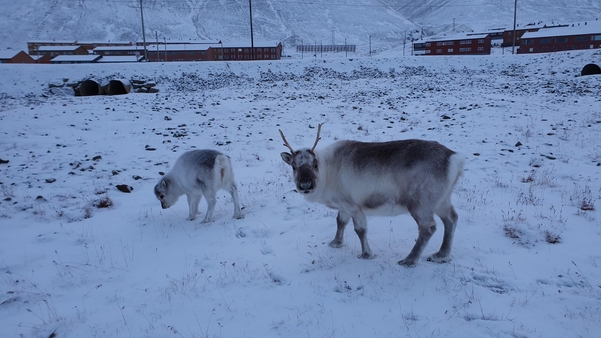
{"x": 197, "y": 173}
{"x": 382, "y": 178}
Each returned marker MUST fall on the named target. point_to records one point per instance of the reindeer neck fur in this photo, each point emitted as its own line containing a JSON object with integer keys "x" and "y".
{"x": 174, "y": 183}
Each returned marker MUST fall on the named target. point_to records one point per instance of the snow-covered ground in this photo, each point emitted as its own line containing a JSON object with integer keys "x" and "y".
{"x": 526, "y": 255}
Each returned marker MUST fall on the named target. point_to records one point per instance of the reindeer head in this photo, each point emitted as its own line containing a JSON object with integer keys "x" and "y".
{"x": 304, "y": 165}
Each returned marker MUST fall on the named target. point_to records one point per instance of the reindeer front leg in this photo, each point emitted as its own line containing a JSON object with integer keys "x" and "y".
{"x": 341, "y": 221}
{"x": 193, "y": 201}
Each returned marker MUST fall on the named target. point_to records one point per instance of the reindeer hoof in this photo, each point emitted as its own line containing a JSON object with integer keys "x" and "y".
{"x": 336, "y": 244}
{"x": 366, "y": 256}
{"x": 239, "y": 216}
{"x": 406, "y": 263}
{"x": 438, "y": 258}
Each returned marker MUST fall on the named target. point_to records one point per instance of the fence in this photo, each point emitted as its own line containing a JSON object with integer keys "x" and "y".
{"x": 325, "y": 48}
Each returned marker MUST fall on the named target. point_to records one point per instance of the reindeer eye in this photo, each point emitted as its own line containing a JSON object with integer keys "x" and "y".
{"x": 161, "y": 196}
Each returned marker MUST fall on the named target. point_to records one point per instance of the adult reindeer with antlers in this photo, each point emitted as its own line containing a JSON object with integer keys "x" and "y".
{"x": 382, "y": 178}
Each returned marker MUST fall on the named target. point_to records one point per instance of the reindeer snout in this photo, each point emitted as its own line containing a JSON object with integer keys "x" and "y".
{"x": 306, "y": 185}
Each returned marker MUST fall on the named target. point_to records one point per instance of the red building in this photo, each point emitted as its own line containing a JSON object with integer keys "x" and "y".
{"x": 454, "y": 45}
{"x": 90, "y": 45}
{"x": 243, "y": 52}
{"x": 577, "y": 36}
{"x": 177, "y": 52}
{"x": 41, "y": 58}
{"x": 32, "y": 46}
{"x": 119, "y": 50}
{"x": 508, "y": 34}
{"x": 53, "y": 51}
{"x": 197, "y": 52}
{"x": 15, "y": 56}
{"x": 177, "y": 42}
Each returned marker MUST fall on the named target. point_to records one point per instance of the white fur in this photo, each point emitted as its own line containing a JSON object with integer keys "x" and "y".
{"x": 412, "y": 176}
{"x": 192, "y": 176}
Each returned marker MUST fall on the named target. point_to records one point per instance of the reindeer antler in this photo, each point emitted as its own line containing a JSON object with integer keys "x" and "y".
{"x": 318, "y": 137}
{"x": 285, "y": 141}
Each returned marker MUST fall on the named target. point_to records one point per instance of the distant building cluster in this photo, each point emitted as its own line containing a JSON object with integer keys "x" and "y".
{"x": 160, "y": 51}
{"x": 528, "y": 39}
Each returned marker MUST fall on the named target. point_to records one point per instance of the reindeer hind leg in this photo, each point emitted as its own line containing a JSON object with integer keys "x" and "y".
{"x": 449, "y": 218}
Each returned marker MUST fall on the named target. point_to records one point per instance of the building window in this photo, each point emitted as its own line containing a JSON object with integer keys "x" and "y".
{"x": 465, "y": 42}
{"x": 428, "y": 51}
{"x": 596, "y": 38}
{"x": 561, "y": 39}
{"x": 480, "y": 40}
{"x": 450, "y": 50}
{"x": 546, "y": 40}
{"x": 445, "y": 43}
{"x": 528, "y": 42}
{"x": 580, "y": 38}
{"x": 480, "y": 49}
{"x": 438, "y": 51}
{"x": 463, "y": 50}
{"x": 428, "y": 44}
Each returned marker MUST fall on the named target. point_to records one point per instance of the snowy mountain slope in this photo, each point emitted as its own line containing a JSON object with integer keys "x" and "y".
{"x": 319, "y": 21}
{"x": 486, "y": 14}
{"x": 228, "y": 20}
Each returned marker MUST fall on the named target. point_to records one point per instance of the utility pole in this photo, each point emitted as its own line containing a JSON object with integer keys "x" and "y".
{"x": 143, "y": 32}
{"x": 515, "y": 9}
{"x": 404, "y": 42}
{"x": 252, "y": 41}
{"x": 156, "y": 37}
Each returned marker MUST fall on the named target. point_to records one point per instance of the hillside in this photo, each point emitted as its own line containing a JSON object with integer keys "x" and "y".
{"x": 318, "y": 21}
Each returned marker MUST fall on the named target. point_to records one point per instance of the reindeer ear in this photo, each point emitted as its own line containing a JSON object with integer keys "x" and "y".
{"x": 287, "y": 157}
{"x": 164, "y": 183}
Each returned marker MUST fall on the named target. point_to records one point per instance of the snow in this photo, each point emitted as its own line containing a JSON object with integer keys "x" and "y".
{"x": 76, "y": 58}
{"x": 525, "y": 261}
{"x": 124, "y": 58}
{"x": 371, "y": 25}
{"x": 8, "y": 54}
{"x": 590, "y": 28}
